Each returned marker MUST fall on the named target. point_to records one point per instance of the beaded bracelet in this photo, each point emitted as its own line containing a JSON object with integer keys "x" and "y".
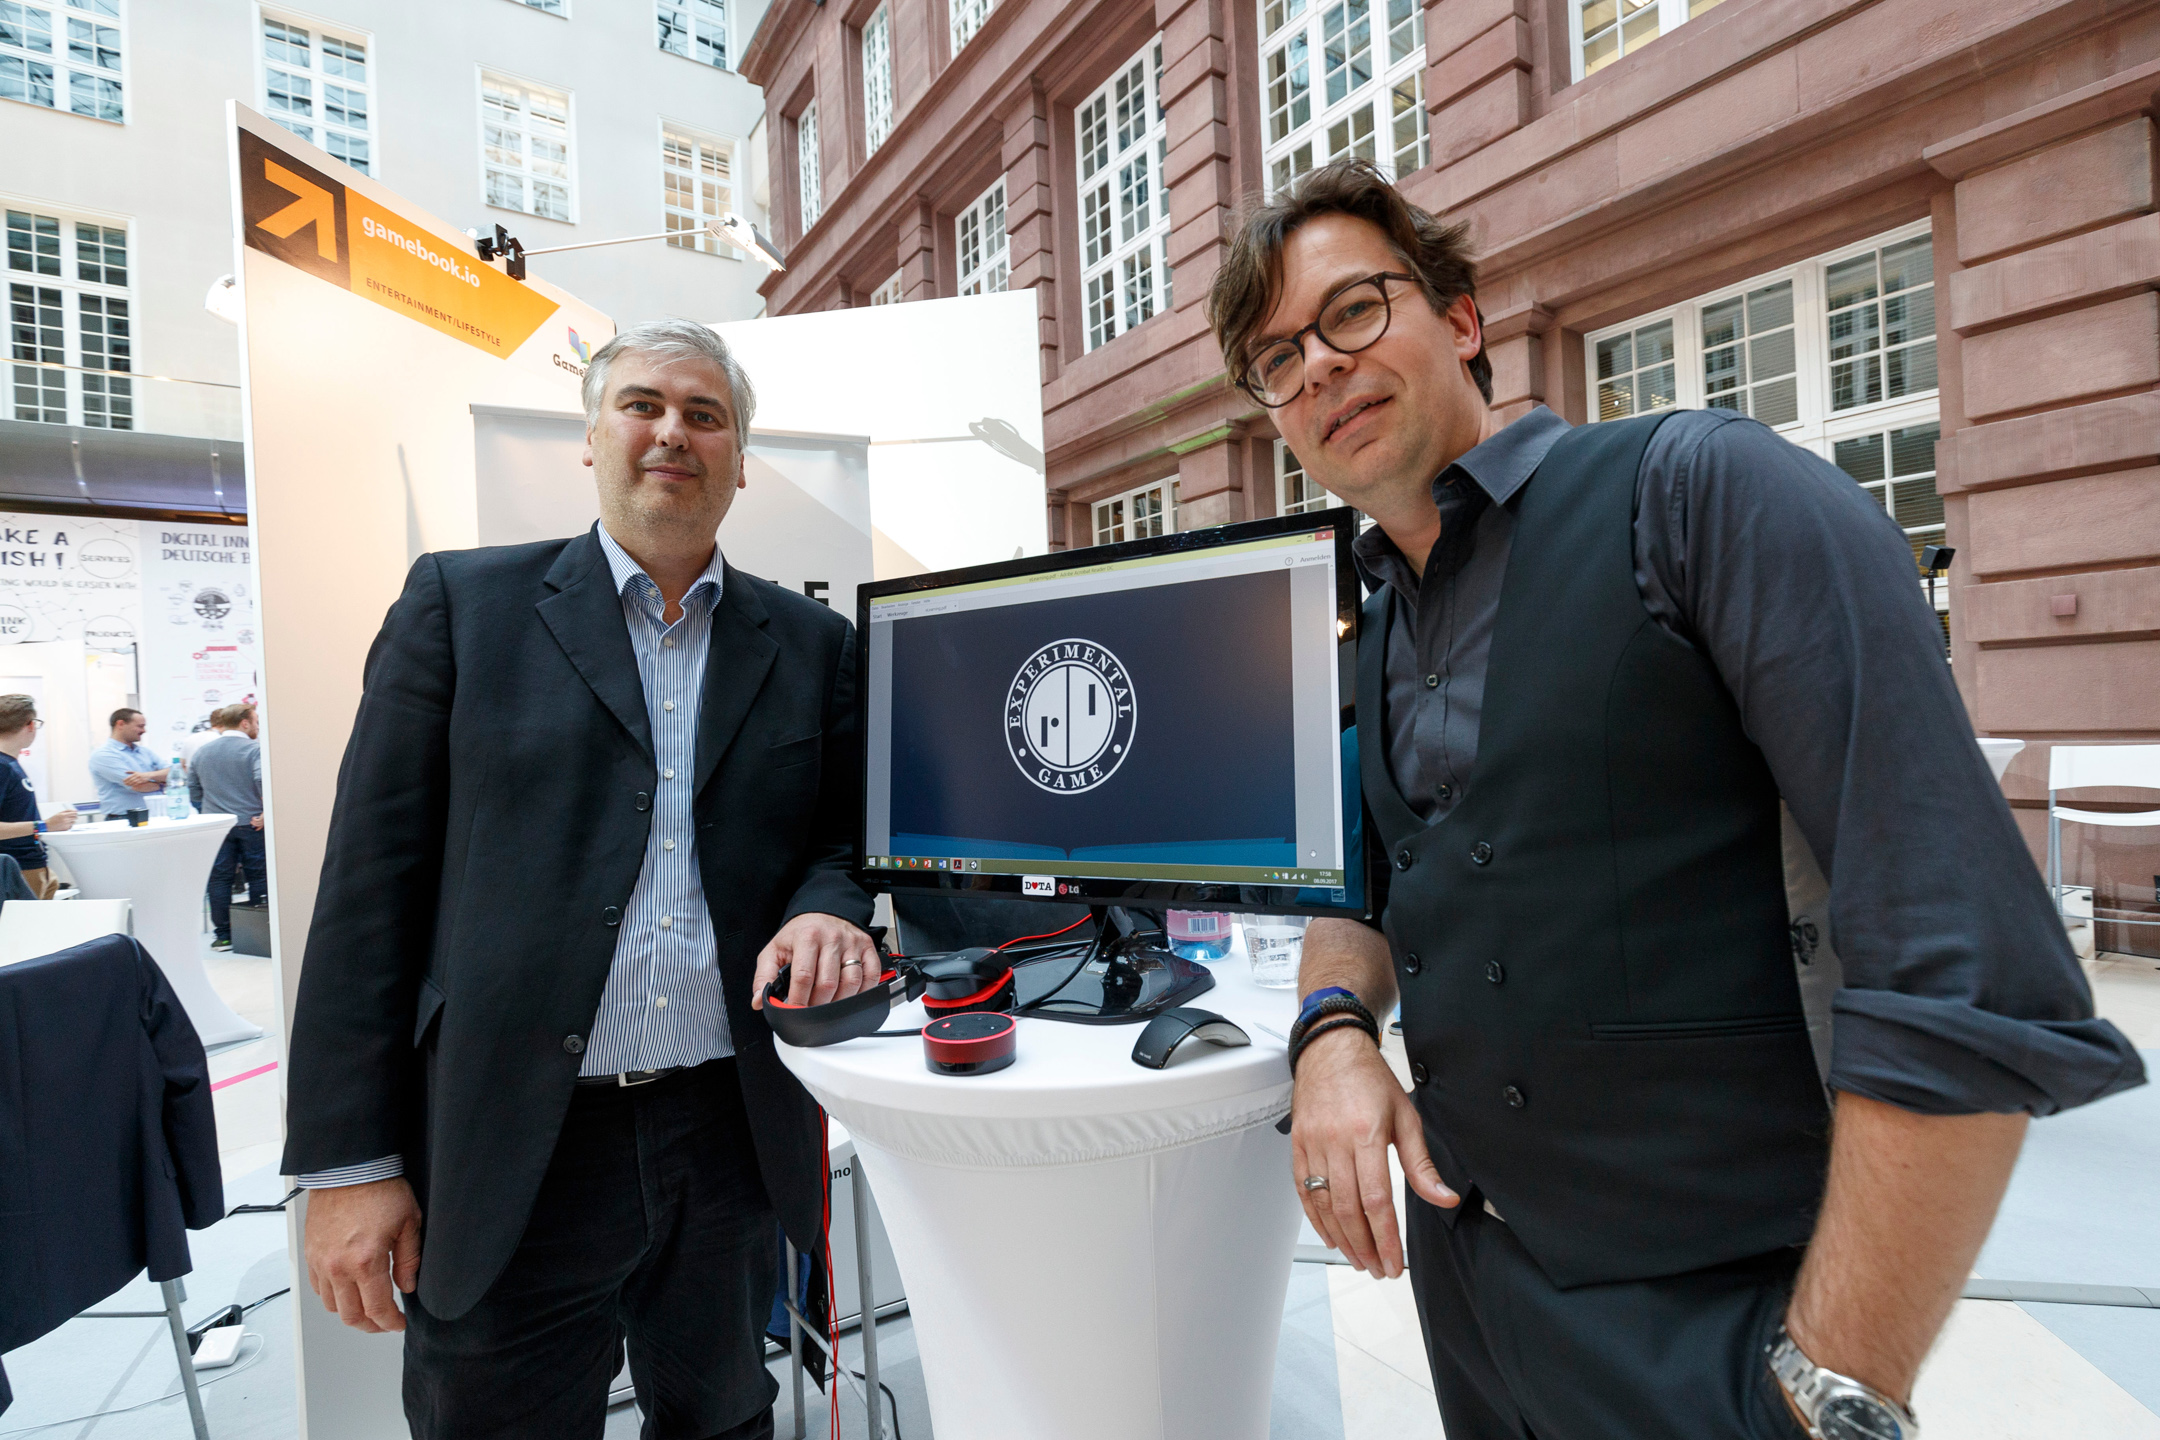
{"x": 1339, "y": 1020}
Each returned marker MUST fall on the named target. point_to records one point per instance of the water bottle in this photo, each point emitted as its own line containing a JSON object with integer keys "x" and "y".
{"x": 176, "y": 801}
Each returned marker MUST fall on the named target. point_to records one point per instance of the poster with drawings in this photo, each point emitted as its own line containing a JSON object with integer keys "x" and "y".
{"x": 201, "y": 629}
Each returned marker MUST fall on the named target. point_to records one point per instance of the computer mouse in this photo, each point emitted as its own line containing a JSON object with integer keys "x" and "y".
{"x": 1171, "y": 1029}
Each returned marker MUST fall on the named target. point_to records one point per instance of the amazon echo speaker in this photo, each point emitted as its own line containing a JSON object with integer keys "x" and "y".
{"x": 974, "y": 1043}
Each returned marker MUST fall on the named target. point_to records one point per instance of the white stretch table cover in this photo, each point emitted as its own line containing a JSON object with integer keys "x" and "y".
{"x": 1091, "y": 1249}
{"x": 162, "y": 867}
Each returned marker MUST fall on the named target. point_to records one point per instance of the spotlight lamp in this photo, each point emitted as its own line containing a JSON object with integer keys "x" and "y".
{"x": 1935, "y": 559}
{"x": 730, "y": 227}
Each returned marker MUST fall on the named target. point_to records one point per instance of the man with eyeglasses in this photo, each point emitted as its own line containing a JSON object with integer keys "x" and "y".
{"x": 20, "y": 824}
{"x": 1593, "y": 662}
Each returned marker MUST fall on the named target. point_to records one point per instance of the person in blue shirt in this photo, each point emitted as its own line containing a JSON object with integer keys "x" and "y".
{"x": 20, "y": 825}
{"x": 127, "y": 774}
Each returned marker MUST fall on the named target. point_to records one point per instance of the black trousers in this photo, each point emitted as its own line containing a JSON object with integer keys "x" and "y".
{"x": 652, "y": 1225}
{"x": 242, "y": 853}
{"x": 1516, "y": 1358}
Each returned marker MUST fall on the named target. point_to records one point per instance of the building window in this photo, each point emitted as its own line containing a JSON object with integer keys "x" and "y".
{"x": 696, "y": 188}
{"x": 1604, "y": 30}
{"x": 63, "y": 56}
{"x": 1123, "y": 147}
{"x": 967, "y": 18}
{"x": 877, "y": 79}
{"x": 70, "y": 330}
{"x": 316, "y": 84}
{"x": 694, "y": 29}
{"x": 809, "y": 174}
{"x": 980, "y": 233}
{"x": 1836, "y": 354}
{"x": 553, "y": 7}
{"x": 525, "y": 149}
{"x": 1137, "y": 515}
{"x": 1295, "y": 491}
{"x": 889, "y": 292}
{"x": 1343, "y": 78}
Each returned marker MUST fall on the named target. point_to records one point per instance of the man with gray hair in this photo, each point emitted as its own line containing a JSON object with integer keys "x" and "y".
{"x": 598, "y": 792}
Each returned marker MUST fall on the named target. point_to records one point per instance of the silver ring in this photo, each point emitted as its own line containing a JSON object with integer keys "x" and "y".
{"x": 846, "y": 964}
{"x": 1315, "y": 1182}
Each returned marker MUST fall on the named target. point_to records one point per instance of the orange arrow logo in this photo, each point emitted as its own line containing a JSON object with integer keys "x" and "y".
{"x": 315, "y": 206}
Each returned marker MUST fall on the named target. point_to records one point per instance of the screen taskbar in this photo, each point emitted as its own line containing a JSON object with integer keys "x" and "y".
{"x": 1099, "y": 870}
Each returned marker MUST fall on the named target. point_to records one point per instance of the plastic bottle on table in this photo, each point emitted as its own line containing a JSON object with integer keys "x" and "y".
{"x": 176, "y": 791}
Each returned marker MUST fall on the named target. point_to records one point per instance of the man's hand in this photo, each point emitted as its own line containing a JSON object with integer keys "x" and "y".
{"x": 361, "y": 1238}
{"x": 1347, "y": 1109}
{"x": 60, "y": 820}
{"x": 831, "y": 960}
{"x": 256, "y": 822}
{"x": 144, "y": 779}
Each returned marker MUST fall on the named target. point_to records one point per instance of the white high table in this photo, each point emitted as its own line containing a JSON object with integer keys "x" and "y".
{"x": 1091, "y": 1249}
{"x": 161, "y": 868}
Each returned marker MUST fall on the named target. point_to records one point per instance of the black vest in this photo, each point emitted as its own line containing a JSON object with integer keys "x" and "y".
{"x": 1596, "y": 969}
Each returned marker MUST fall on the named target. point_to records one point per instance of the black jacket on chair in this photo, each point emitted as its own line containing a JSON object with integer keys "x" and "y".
{"x": 491, "y": 819}
{"x": 108, "y": 1146}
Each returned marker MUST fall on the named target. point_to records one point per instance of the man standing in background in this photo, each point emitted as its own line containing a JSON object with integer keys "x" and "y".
{"x": 226, "y": 779}
{"x": 20, "y": 825}
{"x": 127, "y": 774}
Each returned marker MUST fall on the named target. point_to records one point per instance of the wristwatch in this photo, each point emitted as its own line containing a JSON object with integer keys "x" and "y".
{"x": 1837, "y": 1407}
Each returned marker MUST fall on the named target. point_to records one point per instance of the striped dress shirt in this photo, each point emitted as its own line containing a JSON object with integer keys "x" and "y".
{"x": 663, "y": 1004}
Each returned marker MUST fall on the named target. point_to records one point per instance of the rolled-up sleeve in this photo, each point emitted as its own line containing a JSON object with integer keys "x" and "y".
{"x": 1961, "y": 993}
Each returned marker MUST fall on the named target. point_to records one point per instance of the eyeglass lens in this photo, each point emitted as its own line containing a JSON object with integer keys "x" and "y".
{"x": 1350, "y": 322}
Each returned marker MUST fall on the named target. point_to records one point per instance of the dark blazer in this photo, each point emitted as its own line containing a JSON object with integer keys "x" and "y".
{"x": 108, "y": 1144}
{"x": 491, "y": 819}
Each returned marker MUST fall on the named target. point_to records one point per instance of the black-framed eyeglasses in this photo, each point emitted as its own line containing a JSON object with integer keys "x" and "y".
{"x": 1353, "y": 319}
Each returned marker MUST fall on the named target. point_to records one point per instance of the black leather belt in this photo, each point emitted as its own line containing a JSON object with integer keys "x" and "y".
{"x": 628, "y": 1078}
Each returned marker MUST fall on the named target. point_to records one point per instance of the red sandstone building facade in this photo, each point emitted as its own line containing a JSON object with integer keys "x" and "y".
{"x": 1918, "y": 237}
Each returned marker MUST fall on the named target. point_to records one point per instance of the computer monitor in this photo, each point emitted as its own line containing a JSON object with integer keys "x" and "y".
{"x": 1167, "y": 723}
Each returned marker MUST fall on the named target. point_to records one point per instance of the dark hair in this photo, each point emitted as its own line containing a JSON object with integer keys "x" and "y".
{"x": 120, "y": 715}
{"x": 1250, "y": 280}
{"x": 16, "y": 711}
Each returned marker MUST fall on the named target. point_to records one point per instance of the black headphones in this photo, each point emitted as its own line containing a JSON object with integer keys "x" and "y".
{"x": 955, "y": 982}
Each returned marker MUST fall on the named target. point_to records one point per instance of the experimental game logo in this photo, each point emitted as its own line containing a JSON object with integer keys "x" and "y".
{"x": 1069, "y": 716}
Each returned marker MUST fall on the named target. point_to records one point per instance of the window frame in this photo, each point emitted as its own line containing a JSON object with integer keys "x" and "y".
{"x": 1817, "y": 427}
{"x": 1165, "y": 492}
{"x": 544, "y": 7}
{"x": 991, "y": 274}
{"x": 965, "y": 19}
{"x": 1672, "y": 14}
{"x": 60, "y": 11}
{"x": 75, "y": 377}
{"x": 877, "y": 78}
{"x": 696, "y": 32}
{"x": 1306, "y": 20}
{"x": 317, "y": 33}
{"x": 1152, "y": 240}
{"x": 809, "y": 168}
{"x": 705, "y": 243}
{"x": 888, "y": 291}
{"x": 481, "y": 75}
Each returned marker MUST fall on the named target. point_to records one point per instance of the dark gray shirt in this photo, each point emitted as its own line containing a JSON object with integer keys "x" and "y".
{"x": 1961, "y": 993}
{"x": 226, "y": 778}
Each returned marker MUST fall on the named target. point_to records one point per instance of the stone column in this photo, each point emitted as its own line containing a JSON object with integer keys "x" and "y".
{"x": 2051, "y": 429}
{"x": 917, "y": 234}
{"x": 1030, "y": 226}
{"x": 1477, "y": 77}
{"x": 1212, "y": 478}
{"x": 1515, "y": 344}
{"x": 1199, "y": 178}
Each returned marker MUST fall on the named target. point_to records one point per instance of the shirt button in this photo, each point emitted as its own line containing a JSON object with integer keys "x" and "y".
{"x": 667, "y": 704}
{"x": 1419, "y": 1074}
{"x": 1495, "y": 972}
{"x": 1513, "y": 1096}
{"x": 1411, "y": 964}
{"x": 667, "y": 644}
{"x": 667, "y": 922}
{"x": 1432, "y": 682}
{"x": 573, "y": 1044}
{"x": 667, "y": 774}
{"x": 660, "y": 1003}
{"x": 1447, "y": 792}
{"x": 1402, "y": 859}
{"x": 612, "y": 915}
{"x": 667, "y": 844}
{"x": 1481, "y": 853}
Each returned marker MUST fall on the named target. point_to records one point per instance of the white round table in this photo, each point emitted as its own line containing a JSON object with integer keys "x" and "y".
{"x": 1091, "y": 1249}
{"x": 161, "y": 868}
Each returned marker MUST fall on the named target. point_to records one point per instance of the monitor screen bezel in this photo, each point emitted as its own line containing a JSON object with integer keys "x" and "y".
{"x": 1149, "y": 894}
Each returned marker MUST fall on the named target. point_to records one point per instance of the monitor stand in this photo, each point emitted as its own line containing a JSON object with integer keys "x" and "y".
{"x": 1130, "y": 974}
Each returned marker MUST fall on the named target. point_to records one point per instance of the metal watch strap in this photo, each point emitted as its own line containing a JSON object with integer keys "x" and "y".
{"x": 1812, "y": 1387}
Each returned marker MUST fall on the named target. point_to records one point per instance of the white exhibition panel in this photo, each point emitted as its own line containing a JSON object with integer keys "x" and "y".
{"x": 161, "y": 869}
{"x": 1090, "y": 1248}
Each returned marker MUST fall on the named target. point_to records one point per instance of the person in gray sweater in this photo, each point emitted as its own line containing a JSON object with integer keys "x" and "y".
{"x": 226, "y": 779}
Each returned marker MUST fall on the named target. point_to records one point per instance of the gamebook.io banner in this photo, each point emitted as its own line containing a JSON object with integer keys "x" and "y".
{"x": 295, "y": 212}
